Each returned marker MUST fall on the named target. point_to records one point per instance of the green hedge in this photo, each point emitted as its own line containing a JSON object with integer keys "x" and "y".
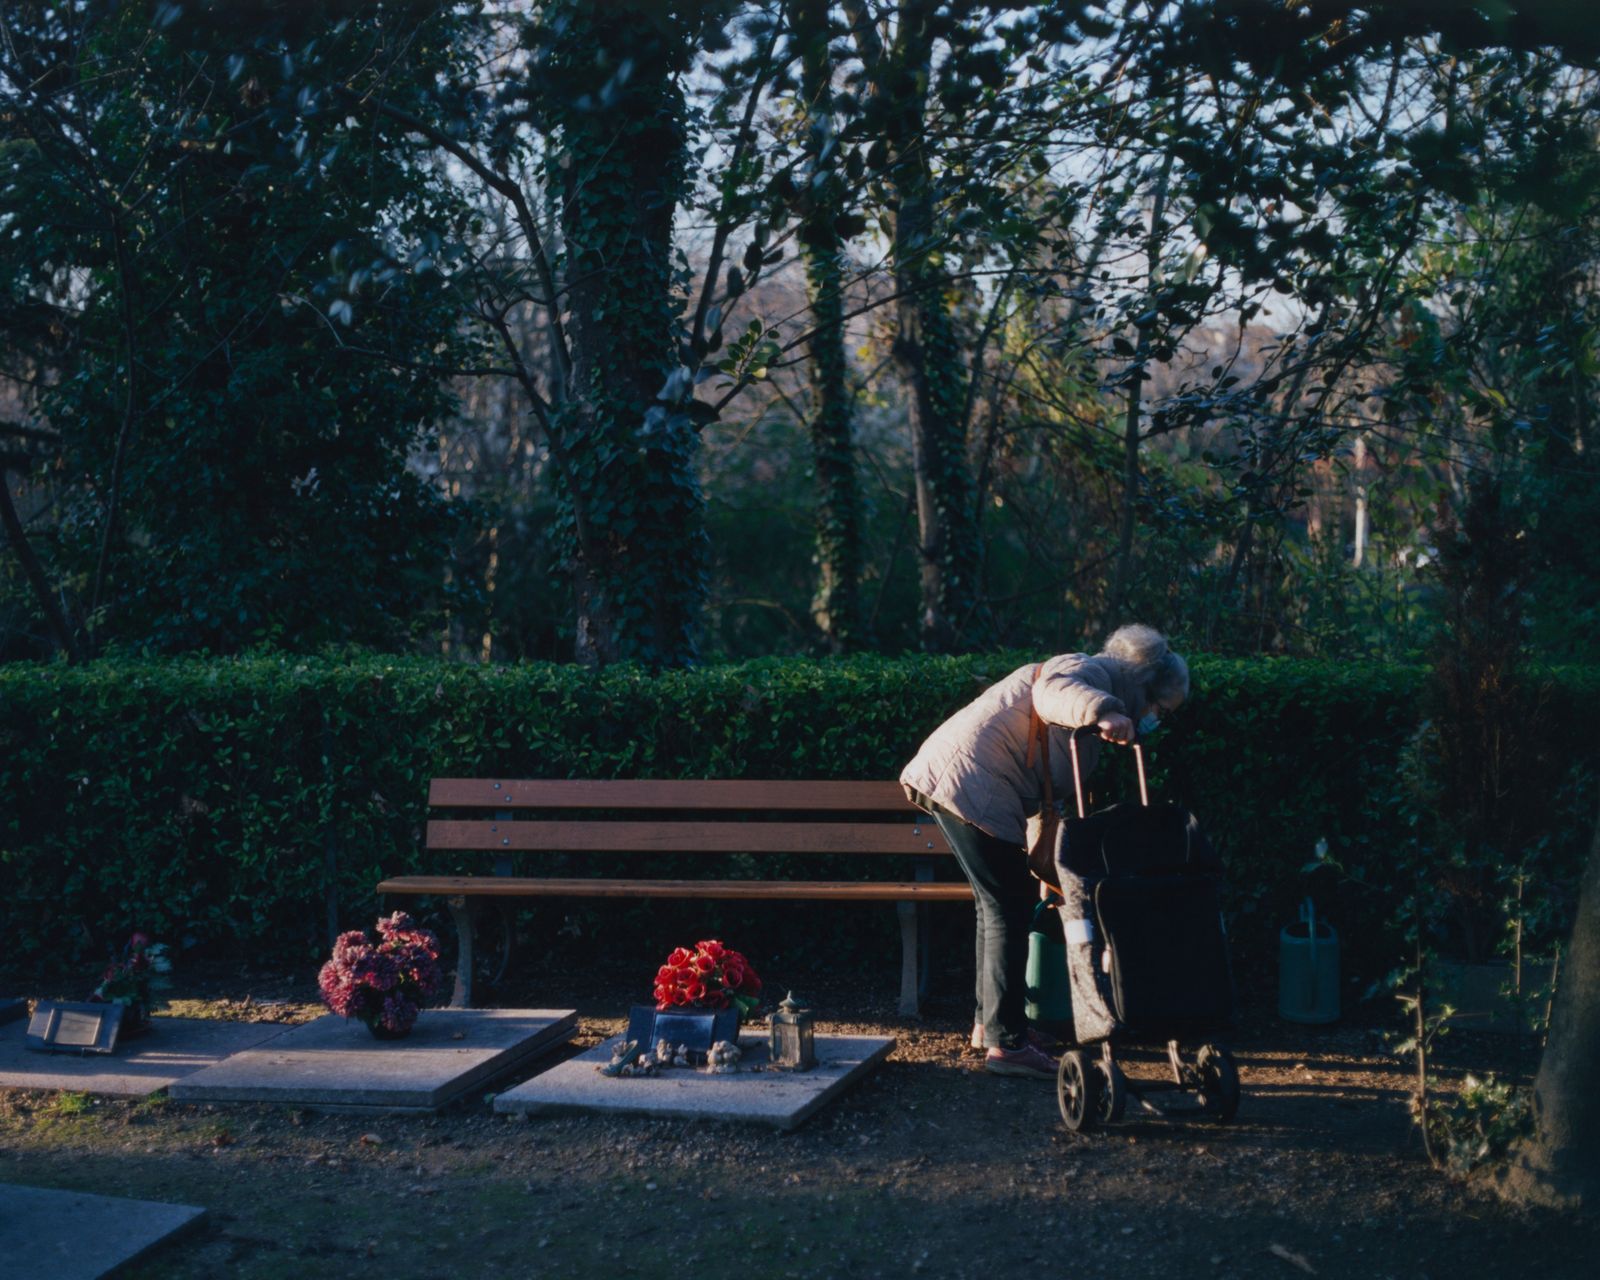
{"x": 202, "y": 798}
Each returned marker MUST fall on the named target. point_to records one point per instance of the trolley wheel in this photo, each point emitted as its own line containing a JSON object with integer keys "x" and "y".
{"x": 1077, "y": 1087}
{"x": 1219, "y": 1082}
{"x": 1111, "y": 1088}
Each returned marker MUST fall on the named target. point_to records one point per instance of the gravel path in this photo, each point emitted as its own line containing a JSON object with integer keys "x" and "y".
{"x": 931, "y": 1167}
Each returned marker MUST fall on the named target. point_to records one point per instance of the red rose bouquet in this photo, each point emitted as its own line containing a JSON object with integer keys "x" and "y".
{"x": 383, "y": 983}
{"x": 711, "y": 976}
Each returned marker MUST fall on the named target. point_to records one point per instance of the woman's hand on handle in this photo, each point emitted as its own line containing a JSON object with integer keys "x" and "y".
{"x": 1116, "y": 728}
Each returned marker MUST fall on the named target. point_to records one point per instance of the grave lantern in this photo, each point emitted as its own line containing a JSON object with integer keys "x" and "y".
{"x": 793, "y": 1045}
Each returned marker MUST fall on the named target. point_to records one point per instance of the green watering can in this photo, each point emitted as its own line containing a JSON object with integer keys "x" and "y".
{"x": 1308, "y": 969}
{"x": 1048, "y": 1001}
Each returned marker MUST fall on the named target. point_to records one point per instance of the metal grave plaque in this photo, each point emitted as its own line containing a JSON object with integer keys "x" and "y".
{"x": 73, "y": 1028}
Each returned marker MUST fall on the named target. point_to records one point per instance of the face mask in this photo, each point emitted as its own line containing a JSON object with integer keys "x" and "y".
{"x": 1149, "y": 724}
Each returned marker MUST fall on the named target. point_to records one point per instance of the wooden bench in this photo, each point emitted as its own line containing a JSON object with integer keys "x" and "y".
{"x": 693, "y": 817}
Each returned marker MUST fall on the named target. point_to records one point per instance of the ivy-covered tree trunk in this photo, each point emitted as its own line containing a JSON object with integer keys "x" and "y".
{"x": 836, "y": 607}
{"x": 1122, "y": 576}
{"x": 928, "y": 363}
{"x": 925, "y": 354}
{"x": 1560, "y": 1164}
{"x": 16, "y": 536}
{"x": 619, "y": 160}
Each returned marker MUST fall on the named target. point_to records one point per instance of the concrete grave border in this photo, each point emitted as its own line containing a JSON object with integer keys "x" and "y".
{"x": 782, "y": 1099}
{"x": 47, "y": 1234}
{"x": 174, "y": 1049}
{"x": 330, "y": 1064}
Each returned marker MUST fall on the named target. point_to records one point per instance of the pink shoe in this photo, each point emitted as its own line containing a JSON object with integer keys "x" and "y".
{"x": 1038, "y": 1039}
{"x": 1026, "y": 1061}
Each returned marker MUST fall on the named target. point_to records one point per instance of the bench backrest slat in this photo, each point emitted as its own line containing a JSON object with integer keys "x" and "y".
{"x": 908, "y": 837}
{"x": 662, "y": 793}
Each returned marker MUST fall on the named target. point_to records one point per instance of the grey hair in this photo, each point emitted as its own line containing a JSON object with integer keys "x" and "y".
{"x": 1150, "y": 660}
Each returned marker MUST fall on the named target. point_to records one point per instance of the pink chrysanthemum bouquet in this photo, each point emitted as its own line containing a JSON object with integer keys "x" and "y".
{"x": 383, "y": 983}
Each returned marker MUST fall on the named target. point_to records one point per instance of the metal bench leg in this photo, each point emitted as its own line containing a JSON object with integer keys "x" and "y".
{"x": 461, "y": 913}
{"x": 923, "y": 870}
{"x": 924, "y": 947}
{"x": 908, "y": 958}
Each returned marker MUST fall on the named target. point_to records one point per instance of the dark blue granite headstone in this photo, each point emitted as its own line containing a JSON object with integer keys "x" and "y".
{"x": 696, "y": 1029}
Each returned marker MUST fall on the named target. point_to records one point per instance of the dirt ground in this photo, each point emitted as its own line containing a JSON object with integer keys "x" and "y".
{"x": 931, "y": 1167}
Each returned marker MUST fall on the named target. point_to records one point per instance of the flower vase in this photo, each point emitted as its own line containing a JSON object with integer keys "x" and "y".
{"x": 135, "y": 1020}
{"x": 381, "y": 1032}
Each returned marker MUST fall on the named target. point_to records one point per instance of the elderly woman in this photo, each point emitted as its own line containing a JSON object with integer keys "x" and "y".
{"x": 975, "y": 775}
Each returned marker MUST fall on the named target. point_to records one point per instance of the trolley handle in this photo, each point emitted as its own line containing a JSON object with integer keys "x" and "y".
{"x": 1077, "y": 769}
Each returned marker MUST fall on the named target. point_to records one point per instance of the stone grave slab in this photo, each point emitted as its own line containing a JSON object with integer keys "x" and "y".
{"x": 336, "y": 1065}
{"x": 173, "y": 1049}
{"x": 783, "y": 1099}
{"x": 72, "y": 1235}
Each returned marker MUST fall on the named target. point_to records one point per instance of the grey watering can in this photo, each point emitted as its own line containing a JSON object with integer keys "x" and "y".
{"x": 1308, "y": 969}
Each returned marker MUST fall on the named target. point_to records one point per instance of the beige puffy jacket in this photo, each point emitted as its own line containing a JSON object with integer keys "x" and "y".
{"x": 976, "y": 763}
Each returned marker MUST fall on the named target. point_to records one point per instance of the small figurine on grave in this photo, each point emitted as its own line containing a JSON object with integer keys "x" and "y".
{"x": 623, "y": 1054}
{"x": 644, "y": 1065}
{"x": 723, "y": 1059}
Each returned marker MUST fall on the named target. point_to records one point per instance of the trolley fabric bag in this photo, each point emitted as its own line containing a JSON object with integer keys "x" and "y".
{"x": 1147, "y": 956}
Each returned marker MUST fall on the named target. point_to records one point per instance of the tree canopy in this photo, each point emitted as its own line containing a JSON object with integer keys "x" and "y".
{"x": 665, "y": 330}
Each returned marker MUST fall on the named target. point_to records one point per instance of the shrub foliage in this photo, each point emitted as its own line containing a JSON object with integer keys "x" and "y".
{"x": 217, "y": 802}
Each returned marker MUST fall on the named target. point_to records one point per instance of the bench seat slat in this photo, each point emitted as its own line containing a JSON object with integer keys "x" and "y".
{"x": 583, "y": 887}
{"x": 690, "y": 837}
{"x": 660, "y": 793}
